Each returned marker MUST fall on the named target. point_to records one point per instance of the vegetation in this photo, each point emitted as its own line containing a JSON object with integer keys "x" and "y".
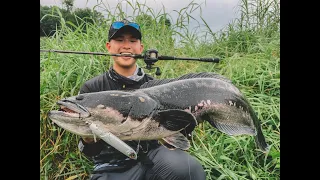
{"x": 250, "y": 51}
{"x": 53, "y": 18}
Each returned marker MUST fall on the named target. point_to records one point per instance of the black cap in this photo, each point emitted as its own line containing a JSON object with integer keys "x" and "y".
{"x": 126, "y": 28}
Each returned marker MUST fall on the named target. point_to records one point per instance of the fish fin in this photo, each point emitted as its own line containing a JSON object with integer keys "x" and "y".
{"x": 187, "y": 132}
{"x": 259, "y": 138}
{"x": 234, "y": 129}
{"x": 176, "y": 119}
{"x": 157, "y": 82}
{"x": 177, "y": 140}
{"x": 165, "y": 144}
{"x": 261, "y": 142}
{"x": 204, "y": 75}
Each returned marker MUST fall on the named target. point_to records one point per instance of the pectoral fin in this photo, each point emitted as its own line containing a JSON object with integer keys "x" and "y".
{"x": 176, "y": 119}
{"x": 177, "y": 140}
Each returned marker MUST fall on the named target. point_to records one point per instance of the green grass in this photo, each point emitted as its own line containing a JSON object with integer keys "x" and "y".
{"x": 249, "y": 49}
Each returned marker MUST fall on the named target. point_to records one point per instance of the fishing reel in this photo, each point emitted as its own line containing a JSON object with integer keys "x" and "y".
{"x": 150, "y": 57}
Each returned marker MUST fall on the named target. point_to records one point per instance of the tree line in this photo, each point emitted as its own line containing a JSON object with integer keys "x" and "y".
{"x": 51, "y": 17}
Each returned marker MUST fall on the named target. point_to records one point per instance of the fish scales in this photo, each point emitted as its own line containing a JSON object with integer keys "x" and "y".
{"x": 191, "y": 92}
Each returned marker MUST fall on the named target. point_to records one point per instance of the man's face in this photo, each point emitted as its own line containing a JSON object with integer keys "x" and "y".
{"x": 125, "y": 43}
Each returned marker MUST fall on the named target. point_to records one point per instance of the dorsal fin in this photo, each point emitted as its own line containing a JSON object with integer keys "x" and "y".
{"x": 204, "y": 75}
{"x": 157, "y": 82}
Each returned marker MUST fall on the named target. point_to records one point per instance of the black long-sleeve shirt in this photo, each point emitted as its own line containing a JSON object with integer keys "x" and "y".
{"x": 101, "y": 152}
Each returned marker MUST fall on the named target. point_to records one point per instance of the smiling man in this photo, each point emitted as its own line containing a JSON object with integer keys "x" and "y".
{"x": 124, "y": 38}
{"x": 154, "y": 161}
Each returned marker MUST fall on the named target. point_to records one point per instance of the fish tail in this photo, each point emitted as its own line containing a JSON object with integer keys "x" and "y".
{"x": 261, "y": 141}
{"x": 259, "y": 138}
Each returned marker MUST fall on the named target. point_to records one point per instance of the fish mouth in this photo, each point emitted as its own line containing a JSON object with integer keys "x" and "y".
{"x": 72, "y": 109}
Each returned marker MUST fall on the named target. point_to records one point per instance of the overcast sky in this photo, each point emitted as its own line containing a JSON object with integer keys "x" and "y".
{"x": 216, "y": 13}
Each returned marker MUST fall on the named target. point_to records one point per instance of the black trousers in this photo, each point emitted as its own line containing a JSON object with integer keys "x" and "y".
{"x": 167, "y": 165}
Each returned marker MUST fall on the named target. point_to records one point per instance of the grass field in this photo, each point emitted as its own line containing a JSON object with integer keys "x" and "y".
{"x": 249, "y": 49}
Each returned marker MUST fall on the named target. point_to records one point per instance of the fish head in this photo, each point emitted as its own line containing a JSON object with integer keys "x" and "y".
{"x": 107, "y": 108}
{"x": 71, "y": 116}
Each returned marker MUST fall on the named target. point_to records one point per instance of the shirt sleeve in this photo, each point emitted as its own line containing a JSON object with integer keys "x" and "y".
{"x": 84, "y": 89}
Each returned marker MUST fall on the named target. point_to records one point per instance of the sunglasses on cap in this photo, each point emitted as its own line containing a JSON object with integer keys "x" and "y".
{"x": 119, "y": 24}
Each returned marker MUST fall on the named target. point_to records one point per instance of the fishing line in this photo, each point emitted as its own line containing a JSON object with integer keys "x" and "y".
{"x": 138, "y": 147}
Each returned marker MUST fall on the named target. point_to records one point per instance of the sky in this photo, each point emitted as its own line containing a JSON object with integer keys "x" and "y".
{"x": 216, "y": 13}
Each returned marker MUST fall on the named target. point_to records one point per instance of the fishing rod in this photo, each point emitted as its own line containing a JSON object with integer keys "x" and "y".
{"x": 150, "y": 57}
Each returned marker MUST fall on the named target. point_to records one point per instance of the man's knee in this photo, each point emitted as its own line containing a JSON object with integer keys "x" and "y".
{"x": 189, "y": 168}
{"x": 177, "y": 164}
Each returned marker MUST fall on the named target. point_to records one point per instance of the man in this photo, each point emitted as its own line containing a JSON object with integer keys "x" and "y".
{"x": 154, "y": 160}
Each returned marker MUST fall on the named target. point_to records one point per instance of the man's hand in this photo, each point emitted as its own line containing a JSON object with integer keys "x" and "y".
{"x": 89, "y": 140}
